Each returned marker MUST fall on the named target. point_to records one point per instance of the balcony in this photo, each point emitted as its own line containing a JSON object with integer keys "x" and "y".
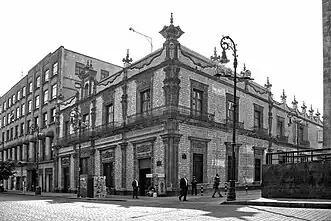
{"x": 229, "y": 124}
{"x": 261, "y": 132}
{"x": 282, "y": 138}
{"x": 180, "y": 112}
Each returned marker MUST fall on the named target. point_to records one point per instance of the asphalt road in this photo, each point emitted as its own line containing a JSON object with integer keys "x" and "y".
{"x": 26, "y": 208}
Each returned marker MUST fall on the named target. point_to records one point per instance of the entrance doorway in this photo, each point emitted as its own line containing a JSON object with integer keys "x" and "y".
{"x": 144, "y": 182}
{"x": 198, "y": 167}
{"x": 66, "y": 179}
{"x": 109, "y": 173}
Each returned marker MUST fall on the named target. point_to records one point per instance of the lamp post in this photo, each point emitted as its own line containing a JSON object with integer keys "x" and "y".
{"x": 297, "y": 122}
{"x": 77, "y": 123}
{"x": 149, "y": 39}
{"x": 35, "y": 128}
{"x": 226, "y": 44}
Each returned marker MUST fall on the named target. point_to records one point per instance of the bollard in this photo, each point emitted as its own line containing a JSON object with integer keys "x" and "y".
{"x": 246, "y": 188}
{"x": 225, "y": 187}
{"x": 201, "y": 190}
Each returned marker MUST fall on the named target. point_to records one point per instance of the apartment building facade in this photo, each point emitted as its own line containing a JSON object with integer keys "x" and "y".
{"x": 28, "y": 115}
{"x": 167, "y": 116}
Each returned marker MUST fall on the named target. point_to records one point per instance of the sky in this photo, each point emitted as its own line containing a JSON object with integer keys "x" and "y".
{"x": 279, "y": 39}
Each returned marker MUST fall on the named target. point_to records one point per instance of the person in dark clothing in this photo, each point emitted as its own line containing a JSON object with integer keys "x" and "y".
{"x": 216, "y": 186}
{"x": 135, "y": 186}
{"x": 194, "y": 186}
{"x": 183, "y": 188}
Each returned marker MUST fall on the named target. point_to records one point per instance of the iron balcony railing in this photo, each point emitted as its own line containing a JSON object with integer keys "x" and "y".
{"x": 262, "y": 132}
{"x": 229, "y": 124}
{"x": 299, "y": 156}
{"x": 282, "y": 138}
{"x": 170, "y": 112}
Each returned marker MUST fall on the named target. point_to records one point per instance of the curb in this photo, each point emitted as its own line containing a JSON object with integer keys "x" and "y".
{"x": 96, "y": 199}
{"x": 280, "y": 204}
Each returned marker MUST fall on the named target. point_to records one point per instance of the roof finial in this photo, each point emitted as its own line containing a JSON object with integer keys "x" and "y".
{"x": 215, "y": 57}
{"x": 171, "y": 19}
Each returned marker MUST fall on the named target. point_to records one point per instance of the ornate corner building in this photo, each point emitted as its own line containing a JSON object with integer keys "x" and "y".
{"x": 158, "y": 119}
{"x": 166, "y": 116}
{"x": 327, "y": 71}
{"x": 28, "y": 113}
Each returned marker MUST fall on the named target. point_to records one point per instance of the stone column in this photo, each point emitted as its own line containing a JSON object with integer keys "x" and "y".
{"x": 31, "y": 152}
{"x": 13, "y": 153}
{"x": 123, "y": 150}
{"x": 8, "y": 153}
{"x": 25, "y": 152}
{"x": 48, "y": 148}
{"x": 18, "y": 153}
{"x": 1, "y": 156}
{"x": 171, "y": 143}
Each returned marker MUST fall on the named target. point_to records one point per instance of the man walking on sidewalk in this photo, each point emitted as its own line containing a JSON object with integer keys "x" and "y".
{"x": 135, "y": 186}
{"x": 216, "y": 186}
{"x": 183, "y": 188}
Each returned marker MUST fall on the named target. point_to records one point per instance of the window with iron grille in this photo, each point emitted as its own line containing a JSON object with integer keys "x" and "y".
{"x": 45, "y": 96}
{"x": 36, "y": 121}
{"x": 38, "y": 82}
{"x": 46, "y": 75}
{"x": 55, "y": 68}
{"x": 53, "y": 114}
{"x": 29, "y": 106}
{"x": 280, "y": 126}
{"x": 23, "y": 109}
{"x": 44, "y": 119}
{"x": 37, "y": 101}
{"x": 54, "y": 91}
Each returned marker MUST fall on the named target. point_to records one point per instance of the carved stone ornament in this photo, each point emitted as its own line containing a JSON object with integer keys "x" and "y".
{"x": 184, "y": 157}
{"x": 144, "y": 148}
{"x": 171, "y": 32}
{"x": 108, "y": 155}
{"x": 65, "y": 161}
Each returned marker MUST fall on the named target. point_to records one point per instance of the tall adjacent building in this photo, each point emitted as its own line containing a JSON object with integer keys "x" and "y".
{"x": 327, "y": 72}
{"x": 167, "y": 116}
{"x": 28, "y": 114}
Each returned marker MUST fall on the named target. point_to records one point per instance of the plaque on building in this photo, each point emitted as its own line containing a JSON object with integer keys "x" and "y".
{"x": 108, "y": 155}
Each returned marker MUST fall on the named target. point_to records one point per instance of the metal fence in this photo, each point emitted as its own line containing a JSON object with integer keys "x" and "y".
{"x": 310, "y": 155}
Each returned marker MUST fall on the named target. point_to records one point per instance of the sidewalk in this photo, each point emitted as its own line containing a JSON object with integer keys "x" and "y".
{"x": 252, "y": 197}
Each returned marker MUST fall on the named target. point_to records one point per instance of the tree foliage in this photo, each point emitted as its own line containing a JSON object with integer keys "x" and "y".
{"x": 7, "y": 169}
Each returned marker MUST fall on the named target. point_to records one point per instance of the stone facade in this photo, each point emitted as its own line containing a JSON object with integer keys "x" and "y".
{"x": 148, "y": 123}
{"x": 327, "y": 72}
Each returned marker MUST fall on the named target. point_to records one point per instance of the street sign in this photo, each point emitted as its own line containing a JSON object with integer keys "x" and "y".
{"x": 149, "y": 175}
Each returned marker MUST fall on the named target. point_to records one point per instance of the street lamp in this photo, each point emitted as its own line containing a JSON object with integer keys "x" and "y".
{"x": 77, "y": 123}
{"x": 226, "y": 44}
{"x": 35, "y": 128}
{"x": 149, "y": 39}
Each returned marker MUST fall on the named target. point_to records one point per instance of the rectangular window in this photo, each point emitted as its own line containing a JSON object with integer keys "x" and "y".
{"x": 23, "y": 92}
{"x": 12, "y": 116}
{"x": 45, "y": 96}
{"x": 3, "y": 136}
{"x": 18, "y": 95}
{"x": 16, "y": 131}
{"x": 23, "y": 109}
{"x": 37, "y": 101}
{"x": 110, "y": 113}
{"x": 300, "y": 133}
{"x": 14, "y": 99}
{"x": 11, "y": 133}
{"x": 53, "y": 114}
{"x": 230, "y": 108}
{"x": 38, "y": 81}
{"x": 79, "y": 68}
{"x": 280, "y": 126}
{"x": 9, "y": 102}
{"x": 46, "y": 75}
{"x": 4, "y": 121}
{"x": 17, "y": 112}
{"x": 55, "y": 68}
{"x": 43, "y": 149}
{"x": 197, "y": 101}
{"x": 86, "y": 119}
{"x": 257, "y": 119}
{"x": 66, "y": 128}
{"x": 30, "y": 87}
{"x": 22, "y": 129}
{"x": 230, "y": 111}
{"x": 104, "y": 74}
{"x": 145, "y": 101}
{"x": 54, "y": 91}
{"x": 28, "y": 126}
{"x": 44, "y": 119}
{"x": 36, "y": 121}
{"x": 29, "y": 106}
{"x": 7, "y": 135}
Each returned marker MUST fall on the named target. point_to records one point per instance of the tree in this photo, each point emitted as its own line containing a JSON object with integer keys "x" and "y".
{"x": 7, "y": 169}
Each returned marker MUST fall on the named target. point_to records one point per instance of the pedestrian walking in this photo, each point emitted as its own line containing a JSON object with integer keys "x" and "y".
{"x": 183, "y": 184}
{"x": 135, "y": 186}
{"x": 216, "y": 186}
{"x": 194, "y": 186}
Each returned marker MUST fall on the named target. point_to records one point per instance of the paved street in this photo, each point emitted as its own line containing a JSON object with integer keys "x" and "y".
{"x": 19, "y": 207}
